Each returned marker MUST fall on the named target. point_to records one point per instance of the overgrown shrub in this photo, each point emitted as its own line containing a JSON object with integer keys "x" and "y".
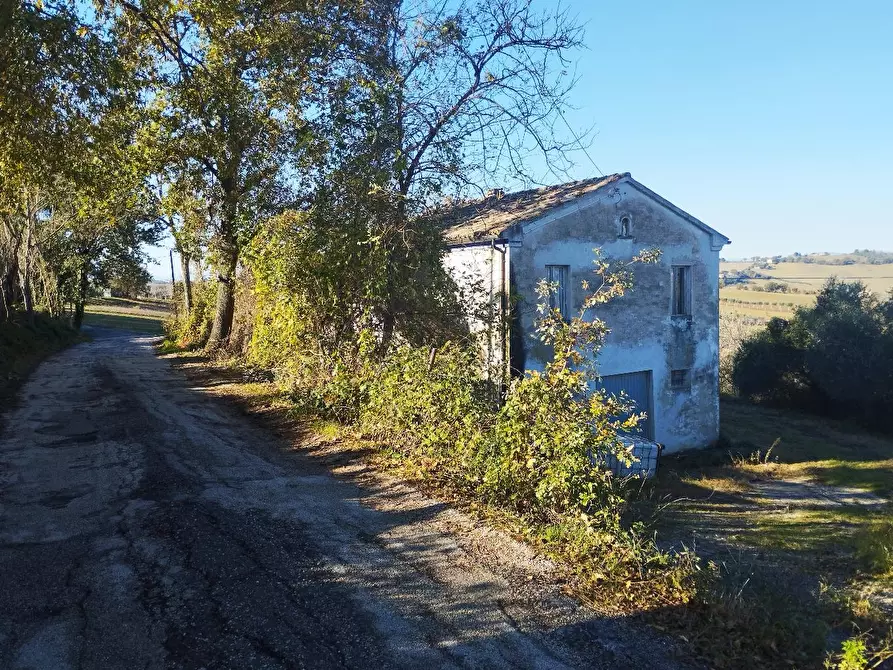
{"x": 551, "y": 438}
{"x": 192, "y": 329}
{"x": 321, "y": 286}
{"x": 431, "y": 404}
{"x": 834, "y": 358}
{"x": 542, "y": 454}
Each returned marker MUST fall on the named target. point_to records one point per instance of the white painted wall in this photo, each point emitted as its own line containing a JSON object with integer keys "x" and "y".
{"x": 481, "y": 276}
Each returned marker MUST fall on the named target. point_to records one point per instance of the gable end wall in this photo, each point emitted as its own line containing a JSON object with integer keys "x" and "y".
{"x": 643, "y": 336}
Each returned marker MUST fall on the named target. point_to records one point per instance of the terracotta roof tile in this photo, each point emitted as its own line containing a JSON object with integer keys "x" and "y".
{"x": 487, "y": 218}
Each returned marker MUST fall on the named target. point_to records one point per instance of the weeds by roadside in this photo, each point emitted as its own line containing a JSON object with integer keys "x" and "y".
{"x": 23, "y": 345}
{"x": 728, "y": 609}
{"x": 874, "y": 547}
{"x": 531, "y": 465}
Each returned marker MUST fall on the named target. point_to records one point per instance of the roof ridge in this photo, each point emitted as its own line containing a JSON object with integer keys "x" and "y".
{"x": 486, "y": 217}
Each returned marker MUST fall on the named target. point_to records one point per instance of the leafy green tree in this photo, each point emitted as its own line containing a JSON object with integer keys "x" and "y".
{"x": 770, "y": 365}
{"x": 70, "y": 178}
{"x": 439, "y": 101}
{"x": 232, "y": 83}
{"x": 844, "y": 347}
{"x": 184, "y": 214}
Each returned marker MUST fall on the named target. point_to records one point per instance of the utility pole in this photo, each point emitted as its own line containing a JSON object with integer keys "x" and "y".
{"x": 173, "y": 282}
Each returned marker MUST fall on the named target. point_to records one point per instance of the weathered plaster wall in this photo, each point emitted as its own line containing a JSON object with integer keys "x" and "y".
{"x": 644, "y": 335}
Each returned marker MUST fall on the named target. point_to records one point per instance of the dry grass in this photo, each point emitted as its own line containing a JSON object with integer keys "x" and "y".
{"x": 715, "y": 483}
{"x": 737, "y": 293}
{"x": 761, "y": 304}
{"x": 879, "y": 278}
{"x": 811, "y": 276}
{"x": 754, "y": 311}
{"x": 159, "y": 309}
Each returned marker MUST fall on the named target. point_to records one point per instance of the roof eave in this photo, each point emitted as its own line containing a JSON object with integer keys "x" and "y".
{"x": 480, "y": 242}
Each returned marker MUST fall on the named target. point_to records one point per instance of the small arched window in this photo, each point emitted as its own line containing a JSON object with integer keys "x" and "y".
{"x": 625, "y": 226}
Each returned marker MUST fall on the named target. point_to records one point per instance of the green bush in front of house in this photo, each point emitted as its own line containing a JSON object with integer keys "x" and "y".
{"x": 431, "y": 405}
{"x": 540, "y": 456}
{"x": 541, "y": 453}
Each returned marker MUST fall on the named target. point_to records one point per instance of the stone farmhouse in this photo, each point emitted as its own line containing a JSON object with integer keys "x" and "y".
{"x": 663, "y": 349}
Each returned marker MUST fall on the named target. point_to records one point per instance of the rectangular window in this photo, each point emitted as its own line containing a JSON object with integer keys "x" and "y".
{"x": 557, "y": 275}
{"x": 681, "y": 290}
{"x": 679, "y": 380}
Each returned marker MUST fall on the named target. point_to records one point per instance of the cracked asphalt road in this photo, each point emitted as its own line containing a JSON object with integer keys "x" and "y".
{"x": 144, "y": 525}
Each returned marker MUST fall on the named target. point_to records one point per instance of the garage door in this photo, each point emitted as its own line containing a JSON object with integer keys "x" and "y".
{"x": 637, "y": 386}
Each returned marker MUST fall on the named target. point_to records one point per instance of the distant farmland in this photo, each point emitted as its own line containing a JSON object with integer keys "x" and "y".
{"x": 879, "y": 278}
{"x": 807, "y": 278}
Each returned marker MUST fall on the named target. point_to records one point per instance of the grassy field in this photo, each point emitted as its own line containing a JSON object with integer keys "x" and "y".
{"x": 810, "y": 491}
{"x": 798, "y": 511}
{"x": 809, "y": 447}
{"x": 141, "y": 316}
{"x": 761, "y": 304}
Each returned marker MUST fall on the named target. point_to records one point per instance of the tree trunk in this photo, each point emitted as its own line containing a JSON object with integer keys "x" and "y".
{"x": 25, "y": 265}
{"x": 389, "y": 311}
{"x": 25, "y": 280}
{"x": 5, "y": 297}
{"x": 83, "y": 286}
{"x": 26, "y": 294}
{"x": 226, "y": 300}
{"x": 187, "y": 282}
{"x": 8, "y": 287}
{"x": 228, "y": 255}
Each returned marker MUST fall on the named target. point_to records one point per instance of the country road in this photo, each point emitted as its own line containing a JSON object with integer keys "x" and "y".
{"x": 143, "y": 524}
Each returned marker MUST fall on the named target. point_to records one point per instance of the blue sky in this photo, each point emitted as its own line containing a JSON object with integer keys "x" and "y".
{"x": 770, "y": 121}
